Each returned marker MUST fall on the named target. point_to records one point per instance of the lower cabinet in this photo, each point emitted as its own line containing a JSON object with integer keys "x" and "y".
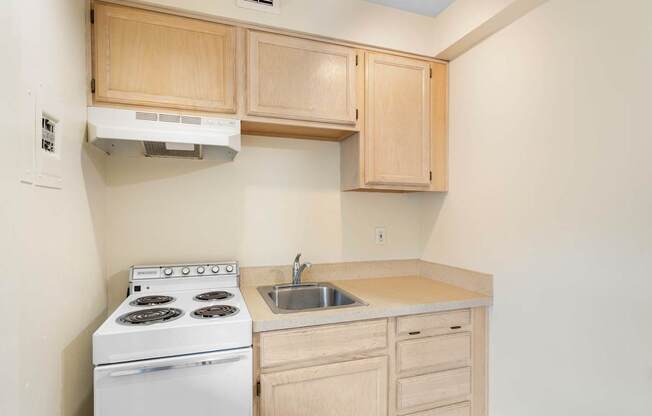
{"x": 418, "y": 365}
{"x": 356, "y": 387}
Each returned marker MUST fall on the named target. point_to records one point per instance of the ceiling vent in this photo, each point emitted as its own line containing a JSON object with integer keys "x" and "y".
{"x": 271, "y": 6}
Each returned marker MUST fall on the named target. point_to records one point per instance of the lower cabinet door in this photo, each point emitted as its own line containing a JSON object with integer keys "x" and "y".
{"x": 352, "y": 388}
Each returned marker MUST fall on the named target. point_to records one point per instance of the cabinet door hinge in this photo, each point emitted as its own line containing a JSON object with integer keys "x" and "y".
{"x": 258, "y": 389}
{"x": 93, "y": 85}
{"x": 356, "y": 60}
{"x": 430, "y": 72}
{"x": 430, "y": 176}
{"x": 92, "y": 16}
{"x": 356, "y": 113}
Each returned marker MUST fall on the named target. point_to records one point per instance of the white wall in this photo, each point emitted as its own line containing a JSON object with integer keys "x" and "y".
{"x": 278, "y": 197}
{"x": 551, "y": 190}
{"x": 351, "y": 20}
{"x": 52, "y": 288}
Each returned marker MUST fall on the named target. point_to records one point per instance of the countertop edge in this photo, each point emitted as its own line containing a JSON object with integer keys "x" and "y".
{"x": 364, "y": 313}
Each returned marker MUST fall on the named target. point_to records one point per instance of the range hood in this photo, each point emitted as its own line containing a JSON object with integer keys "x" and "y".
{"x": 143, "y": 133}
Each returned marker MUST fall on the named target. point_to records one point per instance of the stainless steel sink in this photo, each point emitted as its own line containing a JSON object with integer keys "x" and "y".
{"x": 307, "y": 297}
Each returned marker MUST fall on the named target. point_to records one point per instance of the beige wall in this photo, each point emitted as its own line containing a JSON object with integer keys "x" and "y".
{"x": 458, "y": 28}
{"x": 352, "y": 20}
{"x": 278, "y": 197}
{"x": 551, "y": 190}
{"x": 52, "y": 288}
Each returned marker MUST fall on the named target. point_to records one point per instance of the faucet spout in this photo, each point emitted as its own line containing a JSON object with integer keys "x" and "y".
{"x": 298, "y": 268}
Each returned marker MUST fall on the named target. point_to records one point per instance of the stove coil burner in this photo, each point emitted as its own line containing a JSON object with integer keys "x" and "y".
{"x": 152, "y": 300}
{"x": 217, "y": 295}
{"x": 150, "y": 316}
{"x": 215, "y": 311}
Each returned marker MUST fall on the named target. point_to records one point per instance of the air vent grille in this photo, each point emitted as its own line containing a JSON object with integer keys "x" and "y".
{"x": 273, "y": 6}
{"x": 169, "y": 118}
{"x": 269, "y": 3}
{"x": 191, "y": 120}
{"x": 158, "y": 149}
{"x": 146, "y": 116}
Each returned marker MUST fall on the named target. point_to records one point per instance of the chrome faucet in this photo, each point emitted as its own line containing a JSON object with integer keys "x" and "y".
{"x": 297, "y": 269}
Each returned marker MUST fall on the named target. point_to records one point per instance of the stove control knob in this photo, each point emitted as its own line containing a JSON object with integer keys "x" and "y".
{"x": 185, "y": 270}
{"x": 200, "y": 270}
{"x": 167, "y": 271}
{"x": 215, "y": 269}
{"x": 229, "y": 268}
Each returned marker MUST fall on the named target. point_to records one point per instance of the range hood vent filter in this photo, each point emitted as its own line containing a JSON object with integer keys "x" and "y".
{"x": 160, "y": 149}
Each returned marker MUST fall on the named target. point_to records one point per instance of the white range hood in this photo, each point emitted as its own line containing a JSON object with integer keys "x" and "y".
{"x": 143, "y": 133}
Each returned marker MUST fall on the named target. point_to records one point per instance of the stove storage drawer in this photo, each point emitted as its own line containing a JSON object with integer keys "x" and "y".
{"x": 198, "y": 385}
{"x": 321, "y": 343}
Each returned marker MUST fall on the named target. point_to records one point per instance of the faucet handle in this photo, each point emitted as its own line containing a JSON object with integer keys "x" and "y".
{"x": 296, "y": 259}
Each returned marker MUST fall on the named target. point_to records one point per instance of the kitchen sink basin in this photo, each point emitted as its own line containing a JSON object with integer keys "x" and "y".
{"x": 307, "y": 297}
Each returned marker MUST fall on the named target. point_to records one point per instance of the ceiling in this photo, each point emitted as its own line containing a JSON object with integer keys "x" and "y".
{"x": 424, "y": 7}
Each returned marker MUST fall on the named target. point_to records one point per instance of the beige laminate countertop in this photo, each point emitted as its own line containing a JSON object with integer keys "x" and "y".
{"x": 385, "y": 297}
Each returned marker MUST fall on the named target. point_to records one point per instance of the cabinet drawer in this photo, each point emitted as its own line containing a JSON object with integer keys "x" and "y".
{"x": 432, "y": 389}
{"x": 433, "y": 323}
{"x": 316, "y": 343}
{"x": 460, "y": 409}
{"x": 434, "y": 353}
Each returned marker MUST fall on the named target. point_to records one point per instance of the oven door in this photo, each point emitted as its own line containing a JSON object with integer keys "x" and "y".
{"x": 215, "y": 384}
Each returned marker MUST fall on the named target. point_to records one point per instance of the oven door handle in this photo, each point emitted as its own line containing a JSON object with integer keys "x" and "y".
{"x": 147, "y": 370}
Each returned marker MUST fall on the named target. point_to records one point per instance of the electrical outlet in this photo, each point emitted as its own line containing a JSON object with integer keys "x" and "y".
{"x": 381, "y": 236}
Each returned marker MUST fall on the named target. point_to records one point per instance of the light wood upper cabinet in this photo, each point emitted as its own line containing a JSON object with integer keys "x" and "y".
{"x": 300, "y": 79}
{"x": 351, "y": 388}
{"x": 155, "y": 59}
{"x": 397, "y": 126}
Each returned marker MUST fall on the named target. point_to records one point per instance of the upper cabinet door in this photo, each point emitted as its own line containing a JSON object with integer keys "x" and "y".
{"x": 397, "y": 122}
{"x": 156, "y": 59}
{"x": 300, "y": 79}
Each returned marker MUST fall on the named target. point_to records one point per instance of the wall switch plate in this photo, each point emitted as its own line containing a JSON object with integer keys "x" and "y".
{"x": 381, "y": 235}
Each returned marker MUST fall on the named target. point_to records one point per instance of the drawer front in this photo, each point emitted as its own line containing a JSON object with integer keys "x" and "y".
{"x": 460, "y": 409}
{"x": 433, "y": 323}
{"x": 434, "y": 389}
{"x": 434, "y": 353}
{"x": 317, "y": 343}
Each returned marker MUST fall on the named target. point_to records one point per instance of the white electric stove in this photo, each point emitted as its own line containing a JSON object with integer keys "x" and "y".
{"x": 179, "y": 344}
